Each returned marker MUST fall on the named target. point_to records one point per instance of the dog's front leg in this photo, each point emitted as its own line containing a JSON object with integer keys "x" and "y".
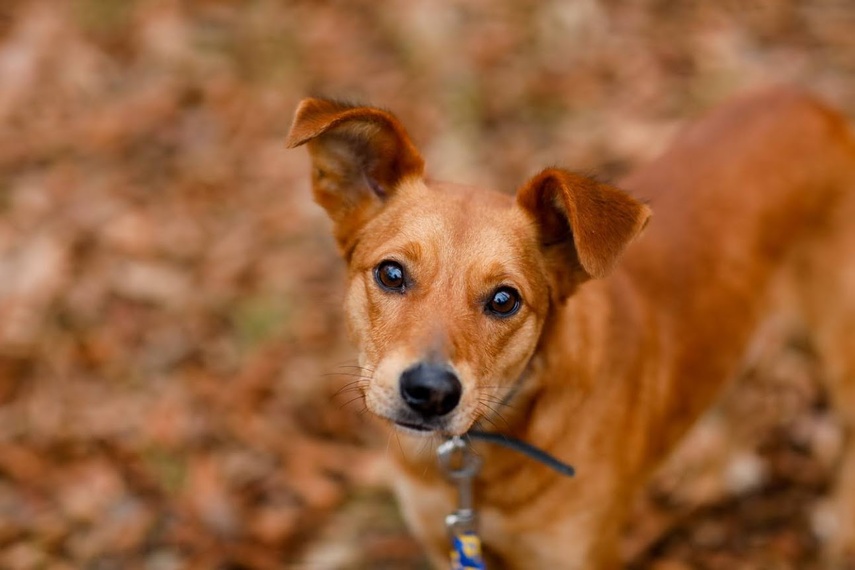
{"x": 425, "y": 507}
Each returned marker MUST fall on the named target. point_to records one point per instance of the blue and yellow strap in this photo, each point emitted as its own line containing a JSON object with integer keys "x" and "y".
{"x": 466, "y": 552}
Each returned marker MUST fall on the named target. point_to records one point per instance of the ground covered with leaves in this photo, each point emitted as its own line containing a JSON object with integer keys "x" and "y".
{"x": 171, "y": 341}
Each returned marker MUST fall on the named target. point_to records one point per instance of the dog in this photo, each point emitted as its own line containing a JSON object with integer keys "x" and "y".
{"x": 574, "y": 318}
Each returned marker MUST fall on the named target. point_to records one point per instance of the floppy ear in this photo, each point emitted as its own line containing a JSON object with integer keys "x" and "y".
{"x": 584, "y": 225}
{"x": 359, "y": 156}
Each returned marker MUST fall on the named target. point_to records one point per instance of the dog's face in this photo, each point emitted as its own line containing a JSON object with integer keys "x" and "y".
{"x": 450, "y": 286}
{"x": 446, "y": 304}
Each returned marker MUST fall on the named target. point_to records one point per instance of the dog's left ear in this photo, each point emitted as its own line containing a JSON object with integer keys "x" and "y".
{"x": 359, "y": 157}
{"x": 583, "y": 224}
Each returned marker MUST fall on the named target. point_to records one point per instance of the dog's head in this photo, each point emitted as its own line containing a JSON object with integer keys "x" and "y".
{"x": 449, "y": 285}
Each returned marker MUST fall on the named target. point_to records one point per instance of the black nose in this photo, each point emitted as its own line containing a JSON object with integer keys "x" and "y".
{"x": 430, "y": 389}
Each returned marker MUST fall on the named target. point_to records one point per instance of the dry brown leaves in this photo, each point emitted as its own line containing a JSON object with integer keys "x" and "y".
{"x": 170, "y": 331}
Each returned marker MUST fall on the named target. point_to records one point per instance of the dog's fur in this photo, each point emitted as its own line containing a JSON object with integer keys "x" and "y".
{"x": 619, "y": 343}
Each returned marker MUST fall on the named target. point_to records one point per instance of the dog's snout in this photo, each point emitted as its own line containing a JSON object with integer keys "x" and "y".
{"x": 430, "y": 389}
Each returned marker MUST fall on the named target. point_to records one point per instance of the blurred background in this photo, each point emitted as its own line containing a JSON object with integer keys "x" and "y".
{"x": 170, "y": 326}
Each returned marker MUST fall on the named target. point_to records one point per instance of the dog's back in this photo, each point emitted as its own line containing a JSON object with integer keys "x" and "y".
{"x": 754, "y": 220}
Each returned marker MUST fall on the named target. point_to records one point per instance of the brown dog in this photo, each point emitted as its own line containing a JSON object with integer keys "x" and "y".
{"x": 595, "y": 346}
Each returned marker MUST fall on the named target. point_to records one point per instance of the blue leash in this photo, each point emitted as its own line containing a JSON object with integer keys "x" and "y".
{"x": 466, "y": 552}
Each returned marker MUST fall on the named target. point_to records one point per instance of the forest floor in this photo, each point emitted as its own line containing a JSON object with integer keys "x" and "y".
{"x": 171, "y": 339}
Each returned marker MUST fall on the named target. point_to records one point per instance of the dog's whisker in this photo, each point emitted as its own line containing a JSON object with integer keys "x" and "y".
{"x": 400, "y": 447}
{"x": 349, "y": 362}
{"x": 429, "y": 443}
{"x": 350, "y": 402}
{"x": 494, "y": 399}
{"x": 364, "y": 368}
{"x": 497, "y": 414}
{"x": 388, "y": 441}
{"x": 356, "y": 381}
{"x": 348, "y": 390}
{"x": 492, "y": 393}
{"x": 424, "y": 444}
{"x": 351, "y": 386}
{"x": 350, "y": 374}
{"x": 491, "y": 422}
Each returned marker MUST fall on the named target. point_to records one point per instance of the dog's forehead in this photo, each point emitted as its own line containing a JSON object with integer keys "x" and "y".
{"x": 461, "y": 218}
{"x": 462, "y": 208}
{"x": 454, "y": 235}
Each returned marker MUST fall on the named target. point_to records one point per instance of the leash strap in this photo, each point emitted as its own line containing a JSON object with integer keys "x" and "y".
{"x": 461, "y": 465}
{"x": 526, "y": 449}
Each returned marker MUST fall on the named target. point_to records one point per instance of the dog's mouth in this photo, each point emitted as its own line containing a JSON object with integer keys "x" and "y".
{"x": 417, "y": 427}
{"x": 414, "y": 428}
{"x": 407, "y": 422}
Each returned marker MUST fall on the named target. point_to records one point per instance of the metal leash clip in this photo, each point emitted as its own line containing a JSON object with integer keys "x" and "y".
{"x": 460, "y": 465}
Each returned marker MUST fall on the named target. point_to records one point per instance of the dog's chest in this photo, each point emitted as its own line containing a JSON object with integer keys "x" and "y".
{"x": 511, "y": 540}
{"x": 524, "y": 540}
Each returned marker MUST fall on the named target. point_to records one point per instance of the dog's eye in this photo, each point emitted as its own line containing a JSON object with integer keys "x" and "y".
{"x": 390, "y": 276}
{"x": 504, "y": 302}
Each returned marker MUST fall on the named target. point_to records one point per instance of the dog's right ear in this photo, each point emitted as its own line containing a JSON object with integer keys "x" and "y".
{"x": 359, "y": 157}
